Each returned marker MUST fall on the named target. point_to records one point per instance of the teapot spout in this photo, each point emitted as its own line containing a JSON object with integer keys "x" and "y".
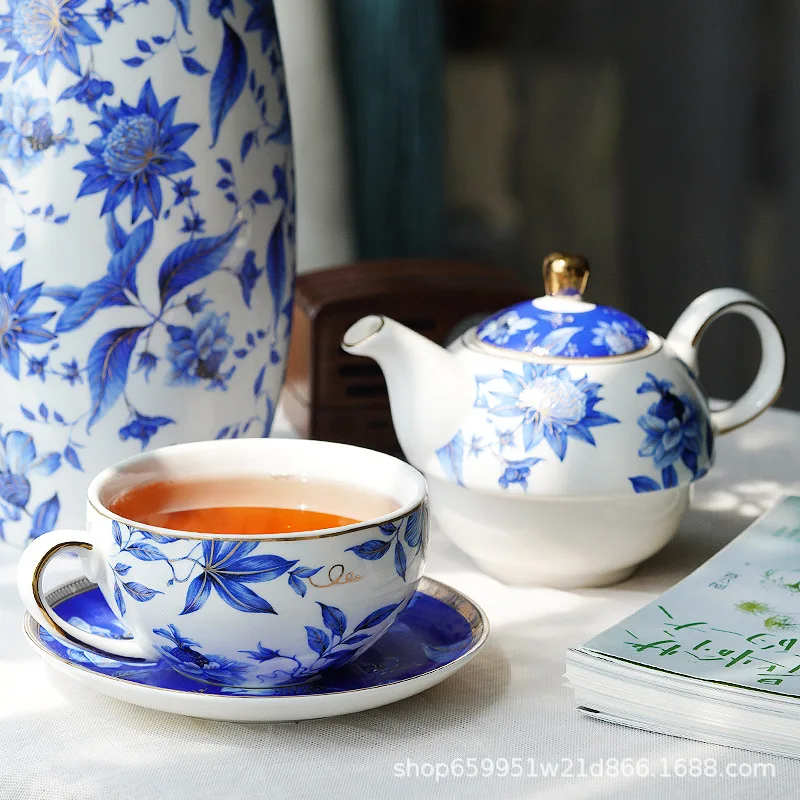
{"x": 429, "y": 390}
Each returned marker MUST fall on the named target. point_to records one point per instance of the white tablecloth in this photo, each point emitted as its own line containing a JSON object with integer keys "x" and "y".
{"x": 59, "y": 740}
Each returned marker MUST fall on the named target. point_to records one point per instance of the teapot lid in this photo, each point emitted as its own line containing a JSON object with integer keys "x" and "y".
{"x": 560, "y": 323}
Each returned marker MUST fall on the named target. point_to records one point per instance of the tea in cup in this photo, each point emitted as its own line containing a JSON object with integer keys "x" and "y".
{"x": 246, "y": 563}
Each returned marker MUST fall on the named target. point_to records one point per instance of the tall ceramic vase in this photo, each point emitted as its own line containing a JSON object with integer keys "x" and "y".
{"x": 146, "y": 238}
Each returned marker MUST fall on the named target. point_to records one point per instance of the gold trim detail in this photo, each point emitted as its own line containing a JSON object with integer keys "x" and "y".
{"x": 267, "y": 537}
{"x": 37, "y": 584}
{"x": 470, "y": 611}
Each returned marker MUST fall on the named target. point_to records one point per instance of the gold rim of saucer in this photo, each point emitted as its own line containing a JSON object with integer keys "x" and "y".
{"x": 468, "y": 609}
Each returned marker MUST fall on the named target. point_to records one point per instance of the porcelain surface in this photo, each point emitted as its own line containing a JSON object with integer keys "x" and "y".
{"x": 571, "y": 329}
{"x": 258, "y": 611}
{"x": 148, "y": 204}
{"x": 524, "y": 446}
{"x": 438, "y": 632}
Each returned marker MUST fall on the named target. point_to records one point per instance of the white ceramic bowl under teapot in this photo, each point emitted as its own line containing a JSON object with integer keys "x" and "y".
{"x": 559, "y": 438}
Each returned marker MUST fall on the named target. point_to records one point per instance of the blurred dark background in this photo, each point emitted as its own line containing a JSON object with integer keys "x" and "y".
{"x": 660, "y": 139}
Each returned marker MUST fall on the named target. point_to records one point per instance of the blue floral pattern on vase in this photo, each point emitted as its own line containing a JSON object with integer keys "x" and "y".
{"x": 533, "y": 415}
{"x": 674, "y": 437}
{"x": 187, "y": 279}
{"x": 598, "y": 332}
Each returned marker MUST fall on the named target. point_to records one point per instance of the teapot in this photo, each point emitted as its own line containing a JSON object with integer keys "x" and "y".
{"x": 560, "y": 439}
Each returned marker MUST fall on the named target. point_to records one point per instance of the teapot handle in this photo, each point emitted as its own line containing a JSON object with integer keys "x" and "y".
{"x": 689, "y": 328}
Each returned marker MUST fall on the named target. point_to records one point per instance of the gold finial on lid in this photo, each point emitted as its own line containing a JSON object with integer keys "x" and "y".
{"x": 565, "y": 274}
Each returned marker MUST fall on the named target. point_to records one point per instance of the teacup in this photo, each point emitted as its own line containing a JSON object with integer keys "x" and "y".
{"x": 254, "y": 611}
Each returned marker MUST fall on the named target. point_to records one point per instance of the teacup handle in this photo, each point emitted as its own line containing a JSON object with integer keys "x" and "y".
{"x": 30, "y": 572}
{"x": 692, "y": 324}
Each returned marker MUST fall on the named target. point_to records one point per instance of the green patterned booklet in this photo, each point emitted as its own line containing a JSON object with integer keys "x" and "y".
{"x": 717, "y": 656}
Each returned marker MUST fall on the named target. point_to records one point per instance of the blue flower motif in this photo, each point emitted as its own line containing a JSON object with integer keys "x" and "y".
{"x": 26, "y": 129}
{"x": 183, "y": 191}
{"x": 72, "y": 372}
{"x": 17, "y": 323}
{"x": 37, "y": 366}
{"x": 107, "y": 14}
{"x": 44, "y": 32}
{"x": 614, "y": 336}
{"x": 193, "y": 224}
{"x": 139, "y": 145}
{"x": 87, "y": 91}
{"x": 147, "y": 362}
{"x": 672, "y": 431}
{"x": 261, "y": 18}
{"x": 518, "y": 475}
{"x": 198, "y": 354}
{"x": 226, "y": 567}
{"x": 209, "y": 668}
{"x": 553, "y": 406}
{"x": 18, "y": 460}
{"x": 142, "y": 428}
{"x": 195, "y": 303}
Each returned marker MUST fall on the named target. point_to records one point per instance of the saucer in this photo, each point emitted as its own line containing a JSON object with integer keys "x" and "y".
{"x": 438, "y": 633}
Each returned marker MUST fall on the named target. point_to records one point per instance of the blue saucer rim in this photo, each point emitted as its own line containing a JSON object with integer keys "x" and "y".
{"x": 467, "y": 608}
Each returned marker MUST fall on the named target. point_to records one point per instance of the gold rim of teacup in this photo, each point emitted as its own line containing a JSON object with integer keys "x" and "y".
{"x": 94, "y": 491}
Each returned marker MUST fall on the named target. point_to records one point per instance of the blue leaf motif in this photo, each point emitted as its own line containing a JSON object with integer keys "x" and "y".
{"x": 121, "y": 569}
{"x": 133, "y": 62}
{"x": 158, "y": 537}
{"x": 192, "y": 261}
{"x": 376, "y": 617}
{"x": 72, "y": 457}
{"x": 28, "y": 414}
{"x": 145, "y": 551}
{"x": 642, "y": 483}
{"x": 238, "y": 596}
{"x": 228, "y": 79}
{"x": 107, "y": 369}
{"x": 261, "y": 197}
{"x": 119, "y": 599}
{"x": 100, "y": 294}
{"x": 225, "y": 165}
{"x": 122, "y": 266}
{"x": 139, "y": 592}
{"x": 259, "y": 381}
{"x": 182, "y": 7}
{"x": 669, "y": 475}
{"x": 400, "y": 562}
{"x": 197, "y": 593}
{"x": 4, "y": 67}
{"x": 115, "y": 234}
{"x": 334, "y": 619}
{"x": 555, "y": 341}
{"x": 66, "y": 295}
{"x": 116, "y": 532}
{"x": 318, "y": 640}
{"x": 43, "y": 412}
{"x": 143, "y": 46}
{"x": 356, "y": 639}
{"x": 371, "y": 550}
{"x": 298, "y": 587}
{"x": 193, "y": 66}
{"x": 306, "y": 572}
{"x": 247, "y": 143}
{"x": 19, "y": 242}
{"x": 45, "y": 517}
{"x": 451, "y": 459}
{"x": 276, "y": 266}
